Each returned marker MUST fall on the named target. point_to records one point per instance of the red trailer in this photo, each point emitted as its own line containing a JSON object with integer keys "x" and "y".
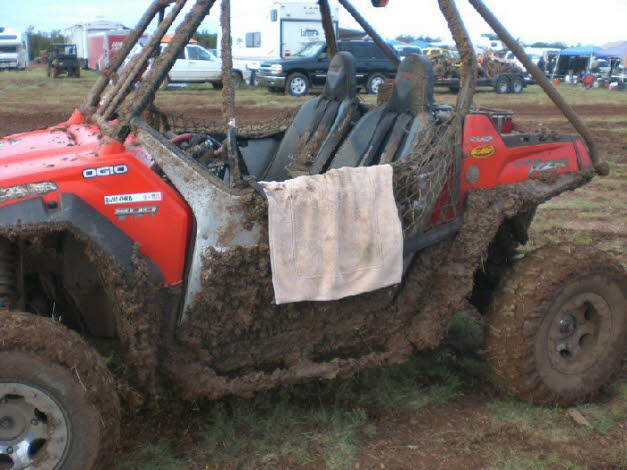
{"x": 103, "y": 46}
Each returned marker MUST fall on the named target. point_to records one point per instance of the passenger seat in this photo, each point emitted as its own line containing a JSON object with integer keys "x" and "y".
{"x": 320, "y": 125}
{"x": 389, "y": 132}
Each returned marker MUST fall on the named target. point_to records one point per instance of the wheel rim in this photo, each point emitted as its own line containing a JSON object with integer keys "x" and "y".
{"x": 576, "y": 333}
{"x": 503, "y": 87}
{"x": 518, "y": 86}
{"x": 33, "y": 428}
{"x": 298, "y": 86}
{"x": 375, "y": 84}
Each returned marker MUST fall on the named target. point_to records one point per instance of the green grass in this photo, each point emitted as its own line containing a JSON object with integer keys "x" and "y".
{"x": 532, "y": 461}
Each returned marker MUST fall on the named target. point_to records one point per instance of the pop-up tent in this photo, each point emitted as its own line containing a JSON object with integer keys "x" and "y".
{"x": 420, "y": 44}
{"x": 619, "y": 51}
{"x": 574, "y": 60}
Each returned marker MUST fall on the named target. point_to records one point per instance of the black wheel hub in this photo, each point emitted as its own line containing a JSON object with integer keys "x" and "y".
{"x": 575, "y": 331}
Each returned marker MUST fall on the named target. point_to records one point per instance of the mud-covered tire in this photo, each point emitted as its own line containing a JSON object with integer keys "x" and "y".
{"x": 518, "y": 84}
{"x": 54, "y": 73}
{"x": 38, "y": 354}
{"x": 502, "y": 85}
{"x": 557, "y": 327}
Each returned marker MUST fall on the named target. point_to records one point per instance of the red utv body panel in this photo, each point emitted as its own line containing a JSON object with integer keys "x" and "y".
{"x": 135, "y": 199}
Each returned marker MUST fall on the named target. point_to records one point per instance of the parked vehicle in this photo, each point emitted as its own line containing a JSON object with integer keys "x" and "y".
{"x": 272, "y": 29}
{"x": 62, "y": 59}
{"x": 118, "y": 227}
{"x": 404, "y": 51}
{"x": 13, "y": 49}
{"x": 79, "y": 35}
{"x": 307, "y": 69}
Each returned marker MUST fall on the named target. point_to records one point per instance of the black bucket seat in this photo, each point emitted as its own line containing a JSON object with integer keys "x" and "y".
{"x": 320, "y": 126}
{"x": 389, "y": 132}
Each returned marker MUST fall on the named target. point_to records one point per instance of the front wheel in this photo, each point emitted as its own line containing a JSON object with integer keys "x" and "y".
{"x": 58, "y": 406}
{"x": 374, "y": 82}
{"x": 297, "y": 84}
{"x": 558, "y": 323}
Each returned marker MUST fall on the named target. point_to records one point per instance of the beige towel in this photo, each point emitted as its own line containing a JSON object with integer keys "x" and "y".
{"x": 334, "y": 235}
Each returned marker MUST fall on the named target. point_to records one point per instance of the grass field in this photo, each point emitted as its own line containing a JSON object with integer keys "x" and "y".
{"x": 443, "y": 410}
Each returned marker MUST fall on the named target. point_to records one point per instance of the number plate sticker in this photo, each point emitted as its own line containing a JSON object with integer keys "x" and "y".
{"x": 129, "y": 198}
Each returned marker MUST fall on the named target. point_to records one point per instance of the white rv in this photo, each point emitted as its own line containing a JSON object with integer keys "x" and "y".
{"x": 13, "y": 49}
{"x": 273, "y": 29}
{"x": 79, "y": 35}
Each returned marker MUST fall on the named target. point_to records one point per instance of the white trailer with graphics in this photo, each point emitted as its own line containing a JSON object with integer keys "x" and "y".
{"x": 13, "y": 49}
{"x": 273, "y": 29}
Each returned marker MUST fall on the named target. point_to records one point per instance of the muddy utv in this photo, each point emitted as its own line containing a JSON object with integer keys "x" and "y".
{"x": 62, "y": 59}
{"x": 132, "y": 225}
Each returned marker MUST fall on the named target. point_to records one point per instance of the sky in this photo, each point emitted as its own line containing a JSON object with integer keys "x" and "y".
{"x": 569, "y": 21}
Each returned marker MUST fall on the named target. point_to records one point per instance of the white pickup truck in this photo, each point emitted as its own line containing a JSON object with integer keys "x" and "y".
{"x": 195, "y": 65}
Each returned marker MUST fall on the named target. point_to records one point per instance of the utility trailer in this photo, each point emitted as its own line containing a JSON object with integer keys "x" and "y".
{"x": 103, "y": 46}
{"x": 501, "y": 83}
{"x": 130, "y": 224}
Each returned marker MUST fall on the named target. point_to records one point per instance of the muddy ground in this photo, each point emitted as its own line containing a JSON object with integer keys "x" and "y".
{"x": 443, "y": 410}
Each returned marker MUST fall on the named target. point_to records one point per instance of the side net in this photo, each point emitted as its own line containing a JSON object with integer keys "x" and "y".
{"x": 426, "y": 180}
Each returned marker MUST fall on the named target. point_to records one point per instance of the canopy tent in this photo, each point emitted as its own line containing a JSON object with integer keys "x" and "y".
{"x": 580, "y": 51}
{"x": 420, "y": 44}
{"x": 394, "y": 42}
{"x": 616, "y": 51}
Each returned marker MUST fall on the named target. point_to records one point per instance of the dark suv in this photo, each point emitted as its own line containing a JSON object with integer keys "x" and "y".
{"x": 307, "y": 68}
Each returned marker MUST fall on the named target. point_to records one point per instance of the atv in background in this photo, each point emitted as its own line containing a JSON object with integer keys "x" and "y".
{"x": 135, "y": 226}
{"x": 62, "y": 59}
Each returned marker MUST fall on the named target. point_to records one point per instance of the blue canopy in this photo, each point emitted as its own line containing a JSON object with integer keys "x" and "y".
{"x": 581, "y": 50}
{"x": 616, "y": 51}
{"x": 393, "y": 42}
{"x": 420, "y": 44}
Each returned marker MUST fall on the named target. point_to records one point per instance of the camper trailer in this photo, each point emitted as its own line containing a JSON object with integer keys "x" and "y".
{"x": 13, "y": 49}
{"x": 273, "y": 29}
{"x": 79, "y": 35}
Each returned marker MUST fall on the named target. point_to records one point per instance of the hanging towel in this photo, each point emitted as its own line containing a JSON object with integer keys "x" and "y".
{"x": 334, "y": 235}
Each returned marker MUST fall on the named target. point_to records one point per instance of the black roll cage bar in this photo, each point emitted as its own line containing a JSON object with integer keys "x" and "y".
{"x": 101, "y": 110}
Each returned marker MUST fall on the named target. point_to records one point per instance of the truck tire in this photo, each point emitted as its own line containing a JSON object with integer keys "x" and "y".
{"x": 518, "y": 84}
{"x": 502, "y": 85}
{"x": 54, "y": 73}
{"x": 77, "y": 71}
{"x": 50, "y": 375}
{"x": 557, "y": 327}
{"x": 297, "y": 84}
{"x": 374, "y": 82}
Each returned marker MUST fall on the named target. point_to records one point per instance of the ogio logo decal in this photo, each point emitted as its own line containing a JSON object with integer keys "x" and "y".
{"x": 105, "y": 171}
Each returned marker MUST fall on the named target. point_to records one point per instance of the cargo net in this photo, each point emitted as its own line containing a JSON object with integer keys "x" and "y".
{"x": 425, "y": 186}
{"x": 214, "y": 125}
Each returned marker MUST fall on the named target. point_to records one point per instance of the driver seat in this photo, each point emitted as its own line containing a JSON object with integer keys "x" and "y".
{"x": 389, "y": 132}
{"x": 320, "y": 125}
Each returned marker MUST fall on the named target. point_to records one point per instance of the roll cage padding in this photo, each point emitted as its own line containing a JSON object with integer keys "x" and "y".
{"x": 317, "y": 129}
{"x": 390, "y": 131}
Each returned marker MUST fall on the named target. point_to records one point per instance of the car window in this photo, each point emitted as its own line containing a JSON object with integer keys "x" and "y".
{"x": 198, "y": 53}
{"x": 310, "y": 50}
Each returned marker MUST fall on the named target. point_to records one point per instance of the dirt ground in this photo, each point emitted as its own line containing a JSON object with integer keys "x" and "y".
{"x": 443, "y": 410}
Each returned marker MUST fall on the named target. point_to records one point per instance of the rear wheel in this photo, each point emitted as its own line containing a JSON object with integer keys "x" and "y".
{"x": 374, "y": 82}
{"x": 557, "y": 325}
{"x": 58, "y": 406}
{"x": 77, "y": 71}
{"x": 502, "y": 85}
{"x": 54, "y": 73}
{"x": 297, "y": 84}
{"x": 518, "y": 85}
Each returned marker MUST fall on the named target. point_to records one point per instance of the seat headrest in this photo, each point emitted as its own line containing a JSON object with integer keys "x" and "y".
{"x": 413, "y": 86}
{"x": 341, "y": 79}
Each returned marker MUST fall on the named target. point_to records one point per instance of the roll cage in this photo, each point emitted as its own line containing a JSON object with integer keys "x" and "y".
{"x": 116, "y": 107}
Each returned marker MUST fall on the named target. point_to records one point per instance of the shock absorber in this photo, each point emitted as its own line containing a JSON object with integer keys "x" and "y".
{"x": 8, "y": 279}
